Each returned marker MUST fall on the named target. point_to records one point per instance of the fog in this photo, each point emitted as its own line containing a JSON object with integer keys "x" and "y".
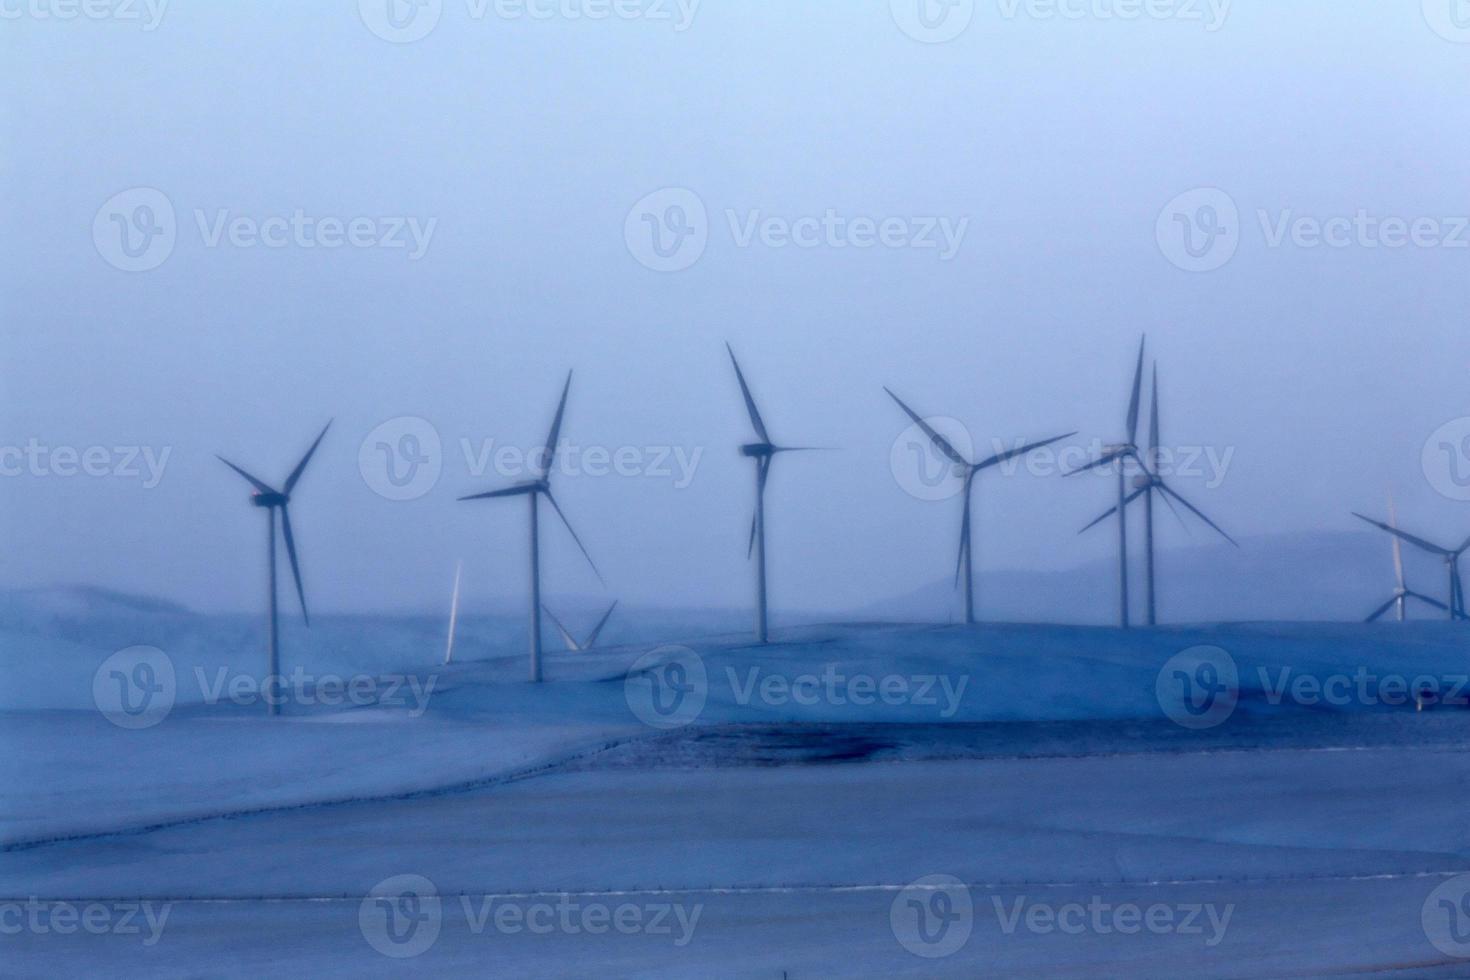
{"x": 988, "y": 235}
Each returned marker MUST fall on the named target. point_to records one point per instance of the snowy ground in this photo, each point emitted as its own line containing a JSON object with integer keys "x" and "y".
{"x": 778, "y": 825}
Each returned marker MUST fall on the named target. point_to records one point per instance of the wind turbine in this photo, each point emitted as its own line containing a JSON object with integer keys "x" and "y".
{"x": 571, "y": 641}
{"x": 453, "y": 614}
{"x": 762, "y": 452}
{"x": 1451, "y": 558}
{"x": 1121, "y": 453}
{"x": 969, "y": 471}
{"x": 273, "y": 500}
{"x": 1147, "y": 483}
{"x": 533, "y": 490}
{"x": 1402, "y": 593}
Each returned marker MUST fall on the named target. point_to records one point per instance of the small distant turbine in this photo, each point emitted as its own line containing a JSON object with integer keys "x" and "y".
{"x": 533, "y": 490}
{"x": 1451, "y": 558}
{"x": 1147, "y": 483}
{"x": 762, "y": 452}
{"x": 453, "y": 614}
{"x": 1401, "y": 593}
{"x": 572, "y": 643}
{"x": 273, "y": 500}
{"x": 1120, "y": 454}
{"x": 964, "y": 564}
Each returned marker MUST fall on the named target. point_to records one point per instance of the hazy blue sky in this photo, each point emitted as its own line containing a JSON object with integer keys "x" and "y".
{"x": 525, "y": 143}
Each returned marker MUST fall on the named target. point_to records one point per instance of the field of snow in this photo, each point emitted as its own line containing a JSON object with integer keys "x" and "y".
{"x": 850, "y": 800}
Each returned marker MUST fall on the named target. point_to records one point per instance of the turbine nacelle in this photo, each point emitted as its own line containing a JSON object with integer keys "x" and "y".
{"x": 758, "y": 450}
{"x": 270, "y": 499}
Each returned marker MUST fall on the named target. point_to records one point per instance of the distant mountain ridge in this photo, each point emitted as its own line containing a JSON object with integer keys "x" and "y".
{"x": 1298, "y": 577}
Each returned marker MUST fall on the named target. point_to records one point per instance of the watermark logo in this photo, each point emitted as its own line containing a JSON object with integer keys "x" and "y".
{"x": 921, "y": 469}
{"x": 932, "y": 21}
{"x": 135, "y": 230}
{"x": 667, "y": 688}
{"x": 401, "y": 917}
{"x": 1446, "y": 917}
{"x": 1199, "y": 231}
{"x": 933, "y": 917}
{"x": 668, "y": 230}
{"x": 1446, "y": 459}
{"x": 1199, "y": 688}
{"x": 1450, "y": 19}
{"x": 400, "y": 21}
{"x": 135, "y": 688}
{"x": 402, "y": 458}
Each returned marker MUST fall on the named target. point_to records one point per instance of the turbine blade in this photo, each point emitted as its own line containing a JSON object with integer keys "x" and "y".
{"x": 1197, "y": 512}
{"x": 1009, "y": 454}
{"x": 565, "y": 636}
{"x": 755, "y": 415}
{"x": 1175, "y": 511}
{"x": 257, "y": 484}
{"x": 557, "y": 507}
{"x": 1433, "y": 602}
{"x": 518, "y": 490}
{"x": 1137, "y": 394}
{"x": 1381, "y": 610}
{"x": 1398, "y": 545}
{"x": 291, "y": 554}
{"x": 1413, "y": 540}
{"x": 959, "y": 564}
{"x": 597, "y": 630}
{"x": 1099, "y": 462}
{"x": 760, "y": 491}
{"x": 1114, "y": 509}
{"x": 548, "y": 456}
{"x": 940, "y": 443}
{"x": 301, "y": 466}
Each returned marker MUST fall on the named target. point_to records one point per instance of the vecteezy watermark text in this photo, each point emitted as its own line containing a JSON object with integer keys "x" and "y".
{"x": 136, "y": 230}
{"x": 34, "y": 458}
{"x": 42, "y": 918}
{"x": 403, "y": 916}
{"x": 403, "y": 459}
{"x": 1202, "y": 229}
{"x": 669, "y": 229}
{"x": 147, "y": 13}
{"x": 833, "y": 687}
{"x": 406, "y": 21}
{"x": 1098, "y": 916}
{"x": 324, "y": 690}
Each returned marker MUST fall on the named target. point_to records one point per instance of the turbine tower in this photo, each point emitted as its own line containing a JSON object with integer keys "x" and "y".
{"x": 1147, "y": 483}
{"x": 274, "y": 500}
{"x": 762, "y": 452}
{"x": 572, "y": 643}
{"x": 1451, "y": 558}
{"x": 1120, "y": 453}
{"x": 1402, "y": 593}
{"x": 964, "y": 564}
{"x": 533, "y": 490}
